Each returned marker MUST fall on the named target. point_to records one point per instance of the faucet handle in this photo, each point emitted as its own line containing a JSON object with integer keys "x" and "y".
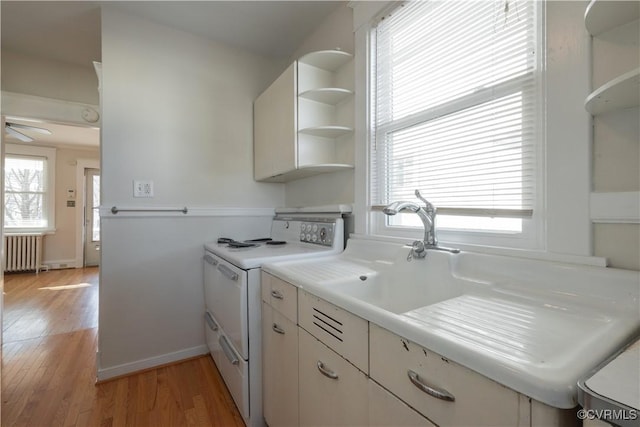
{"x": 428, "y": 205}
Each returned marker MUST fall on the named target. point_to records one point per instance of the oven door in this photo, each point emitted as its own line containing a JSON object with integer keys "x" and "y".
{"x": 225, "y": 292}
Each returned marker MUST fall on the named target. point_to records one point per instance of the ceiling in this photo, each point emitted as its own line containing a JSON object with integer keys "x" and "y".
{"x": 61, "y": 135}
{"x": 69, "y": 31}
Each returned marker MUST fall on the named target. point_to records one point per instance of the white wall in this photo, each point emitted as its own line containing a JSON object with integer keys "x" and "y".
{"x": 47, "y": 78}
{"x": 336, "y": 31}
{"x": 178, "y": 110}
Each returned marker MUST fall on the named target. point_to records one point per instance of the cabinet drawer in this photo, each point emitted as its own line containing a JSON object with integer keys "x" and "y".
{"x": 332, "y": 391}
{"x": 479, "y": 401}
{"x": 280, "y": 295}
{"x": 387, "y": 410}
{"x": 342, "y": 331}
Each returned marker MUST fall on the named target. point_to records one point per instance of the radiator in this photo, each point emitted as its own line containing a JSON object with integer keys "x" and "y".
{"x": 23, "y": 253}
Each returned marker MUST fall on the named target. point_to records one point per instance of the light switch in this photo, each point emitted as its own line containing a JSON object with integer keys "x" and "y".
{"x": 142, "y": 188}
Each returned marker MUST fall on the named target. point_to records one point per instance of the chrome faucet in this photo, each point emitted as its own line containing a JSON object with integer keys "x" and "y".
{"x": 428, "y": 216}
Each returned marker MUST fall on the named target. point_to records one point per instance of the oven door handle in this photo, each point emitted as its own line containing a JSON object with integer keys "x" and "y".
{"x": 228, "y": 351}
{"x": 229, "y": 273}
{"x": 211, "y": 260}
{"x": 212, "y": 323}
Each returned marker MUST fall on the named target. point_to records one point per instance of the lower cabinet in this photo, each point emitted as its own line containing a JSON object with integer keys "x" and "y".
{"x": 279, "y": 368}
{"x": 333, "y": 392}
{"x": 387, "y": 410}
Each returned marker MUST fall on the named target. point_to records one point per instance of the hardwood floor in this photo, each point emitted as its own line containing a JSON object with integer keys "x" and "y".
{"x": 48, "y": 365}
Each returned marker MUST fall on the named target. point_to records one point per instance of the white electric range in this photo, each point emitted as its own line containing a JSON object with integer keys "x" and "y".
{"x": 232, "y": 293}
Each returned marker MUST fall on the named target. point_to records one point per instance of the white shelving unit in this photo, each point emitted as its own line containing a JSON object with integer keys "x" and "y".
{"x": 602, "y": 18}
{"x": 307, "y": 116}
{"x": 622, "y": 91}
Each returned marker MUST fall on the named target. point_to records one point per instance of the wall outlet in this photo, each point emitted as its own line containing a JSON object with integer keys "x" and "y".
{"x": 142, "y": 188}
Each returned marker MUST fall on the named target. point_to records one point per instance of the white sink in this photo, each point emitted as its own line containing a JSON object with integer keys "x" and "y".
{"x": 534, "y": 326}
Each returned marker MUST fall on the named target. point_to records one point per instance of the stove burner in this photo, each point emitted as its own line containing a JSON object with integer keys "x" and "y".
{"x": 225, "y": 240}
{"x": 262, "y": 240}
{"x": 234, "y": 244}
{"x": 276, "y": 242}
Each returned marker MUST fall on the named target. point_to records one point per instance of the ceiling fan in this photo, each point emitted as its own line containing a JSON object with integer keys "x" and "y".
{"x": 13, "y": 129}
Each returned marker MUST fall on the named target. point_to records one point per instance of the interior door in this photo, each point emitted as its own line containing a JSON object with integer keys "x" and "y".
{"x": 92, "y": 218}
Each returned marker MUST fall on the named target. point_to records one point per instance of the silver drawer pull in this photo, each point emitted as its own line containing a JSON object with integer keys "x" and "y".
{"x": 277, "y": 329}
{"x": 327, "y": 372}
{"x": 228, "y": 351}
{"x": 212, "y": 323}
{"x": 229, "y": 273}
{"x": 211, "y": 260}
{"x": 431, "y": 391}
{"x": 277, "y": 295}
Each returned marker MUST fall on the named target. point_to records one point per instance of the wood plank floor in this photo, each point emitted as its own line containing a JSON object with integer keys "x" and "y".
{"x": 48, "y": 365}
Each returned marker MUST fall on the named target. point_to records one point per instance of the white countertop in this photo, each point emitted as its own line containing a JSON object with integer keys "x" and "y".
{"x": 537, "y": 337}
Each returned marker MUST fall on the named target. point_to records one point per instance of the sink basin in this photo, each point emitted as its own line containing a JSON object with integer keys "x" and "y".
{"x": 403, "y": 287}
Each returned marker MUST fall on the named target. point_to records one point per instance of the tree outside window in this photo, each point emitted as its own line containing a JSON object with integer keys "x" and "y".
{"x": 25, "y": 192}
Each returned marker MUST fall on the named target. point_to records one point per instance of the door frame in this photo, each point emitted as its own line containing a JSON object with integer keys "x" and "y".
{"x": 81, "y": 165}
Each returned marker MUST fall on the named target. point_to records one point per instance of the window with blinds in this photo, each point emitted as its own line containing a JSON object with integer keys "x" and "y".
{"x": 25, "y": 192}
{"x": 455, "y": 111}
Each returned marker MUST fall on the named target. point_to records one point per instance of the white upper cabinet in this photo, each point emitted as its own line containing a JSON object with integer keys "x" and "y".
{"x": 303, "y": 123}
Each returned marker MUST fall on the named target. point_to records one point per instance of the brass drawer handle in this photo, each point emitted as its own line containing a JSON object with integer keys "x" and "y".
{"x": 431, "y": 391}
{"x": 277, "y": 295}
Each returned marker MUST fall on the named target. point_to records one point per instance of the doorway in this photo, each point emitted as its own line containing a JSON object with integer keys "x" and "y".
{"x": 92, "y": 218}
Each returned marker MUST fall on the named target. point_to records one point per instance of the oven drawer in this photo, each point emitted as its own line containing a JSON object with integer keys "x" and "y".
{"x": 234, "y": 370}
{"x": 225, "y": 293}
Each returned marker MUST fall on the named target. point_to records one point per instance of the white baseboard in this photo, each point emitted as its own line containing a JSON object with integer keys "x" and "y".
{"x": 140, "y": 365}
{"x": 58, "y": 264}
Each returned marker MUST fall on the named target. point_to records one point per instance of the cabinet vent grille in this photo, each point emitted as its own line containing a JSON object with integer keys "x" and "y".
{"x": 328, "y": 324}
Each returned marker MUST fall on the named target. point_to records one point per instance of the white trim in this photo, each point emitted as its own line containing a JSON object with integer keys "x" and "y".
{"x": 50, "y": 193}
{"x": 622, "y": 207}
{"x": 81, "y": 165}
{"x": 151, "y": 362}
{"x": 55, "y": 263}
{"x": 49, "y": 109}
{"x": 105, "y": 212}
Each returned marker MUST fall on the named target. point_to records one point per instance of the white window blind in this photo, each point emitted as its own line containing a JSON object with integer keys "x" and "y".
{"x": 25, "y": 192}
{"x": 455, "y": 106}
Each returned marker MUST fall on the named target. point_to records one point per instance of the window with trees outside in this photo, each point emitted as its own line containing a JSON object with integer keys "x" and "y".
{"x": 26, "y": 197}
{"x": 455, "y": 114}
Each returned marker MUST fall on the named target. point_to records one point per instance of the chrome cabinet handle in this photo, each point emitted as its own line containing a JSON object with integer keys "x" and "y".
{"x": 211, "y": 260}
{"x": 212, "y": 323}
{"x": 431, "y": 391}
{"x": 277, "y": 329}
{"x": 229, "y": 273}
{"x": 327, "y": 372}
{"x": 277, "y": 295}
{"x": 228, "y": 351}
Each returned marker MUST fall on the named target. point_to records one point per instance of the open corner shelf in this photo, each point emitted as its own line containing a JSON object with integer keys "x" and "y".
{"x": 327, "y": 131}
{"x": 602, "y": 15}
{"x": 617, "y": 94}
{"x": 329, "y": 60}
{"x": 329, "y": 95}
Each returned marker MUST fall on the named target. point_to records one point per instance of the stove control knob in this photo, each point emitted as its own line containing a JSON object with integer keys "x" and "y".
{"x": 308, "y": 236}
{"x": 315, "y": 227}
{"x": 323, "y": 234}
{"x": 301, "y": 236}
{"x": 314, "y": 238}
{"x": 303, "y": 227}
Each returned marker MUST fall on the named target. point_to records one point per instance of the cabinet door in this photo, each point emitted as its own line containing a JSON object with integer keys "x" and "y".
{"x": 279, "y": 368}
{"x": 275, "y": 127}
{"x": 387, "y": 410}
{"x": 333, "y": 392}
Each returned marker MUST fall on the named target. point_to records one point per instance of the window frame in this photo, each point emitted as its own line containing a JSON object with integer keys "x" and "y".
{"x": 533, "y": 231}
{"x": 49, "y": 202}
